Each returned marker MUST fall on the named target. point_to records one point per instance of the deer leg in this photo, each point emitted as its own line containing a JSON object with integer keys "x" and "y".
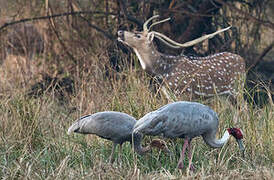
{"x": 180, "y": 162}
{"x": 111, "y": 158}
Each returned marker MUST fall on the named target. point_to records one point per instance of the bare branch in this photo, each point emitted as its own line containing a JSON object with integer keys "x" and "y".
{"x": 108, "y": 35}
{"x": 263, "y": 22}
{"x": 265, "y": 51}
{"x": 54, "y": 16}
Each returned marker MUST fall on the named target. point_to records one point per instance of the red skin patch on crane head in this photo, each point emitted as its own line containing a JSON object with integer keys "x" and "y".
{"x": 236, "y": 132}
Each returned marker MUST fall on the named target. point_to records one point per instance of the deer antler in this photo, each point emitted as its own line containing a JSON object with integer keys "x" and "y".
{"x": 153, "y": 24}
{"x": 145, "y": 28}
{"x": 174, "y": 44}
{"x": 169, "y": 42}
{"x": 163, "y": 40}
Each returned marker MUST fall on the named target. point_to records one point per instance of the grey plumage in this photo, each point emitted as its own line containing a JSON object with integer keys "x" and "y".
{"x": 114, "y": 126}
{"x": 185, "y": 120}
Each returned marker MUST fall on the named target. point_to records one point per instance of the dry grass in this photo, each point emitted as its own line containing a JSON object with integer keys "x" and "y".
{"x": 34, "y": 143}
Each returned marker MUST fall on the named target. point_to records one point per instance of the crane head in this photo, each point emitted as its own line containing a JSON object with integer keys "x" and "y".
{"x": 236, "y": 132}
{"x": 238, "y": 135}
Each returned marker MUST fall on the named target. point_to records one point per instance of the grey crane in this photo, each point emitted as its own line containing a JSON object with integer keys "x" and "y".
{"x": 186, "y": 120}
{"x": 116, "y": 127}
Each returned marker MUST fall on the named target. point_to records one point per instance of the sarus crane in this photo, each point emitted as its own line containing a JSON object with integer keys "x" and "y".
{"x": 116, "y": 127}
{"x": 186, "y": 120}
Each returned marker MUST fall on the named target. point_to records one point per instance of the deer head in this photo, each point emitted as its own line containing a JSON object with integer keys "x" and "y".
{"x": 204, "y": 76}
{"x": 141, "y": 43}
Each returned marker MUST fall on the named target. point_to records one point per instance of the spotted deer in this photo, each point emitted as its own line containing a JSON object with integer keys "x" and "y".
{"x": 189, "y": 75}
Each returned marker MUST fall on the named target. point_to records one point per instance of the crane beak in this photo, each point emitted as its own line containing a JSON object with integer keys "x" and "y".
{"x": 241, "y": 146}
{"x": 160, "y": 144}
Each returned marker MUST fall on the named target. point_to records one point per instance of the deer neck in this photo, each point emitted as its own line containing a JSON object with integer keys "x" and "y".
{"x": 154, "y": 62}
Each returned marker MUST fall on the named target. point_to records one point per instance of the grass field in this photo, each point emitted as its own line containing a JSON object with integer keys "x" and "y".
{"x": 34, "y": 143}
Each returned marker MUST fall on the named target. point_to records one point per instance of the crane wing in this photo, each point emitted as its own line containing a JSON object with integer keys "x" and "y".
{"x": 151, "y": 124}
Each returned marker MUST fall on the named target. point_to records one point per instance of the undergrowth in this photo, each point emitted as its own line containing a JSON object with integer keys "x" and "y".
{"x": 34, "y": 143}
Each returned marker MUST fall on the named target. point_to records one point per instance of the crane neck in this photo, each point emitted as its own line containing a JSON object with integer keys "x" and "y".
{"x": 137, "y": 138}
{"x": 217, "y": 143}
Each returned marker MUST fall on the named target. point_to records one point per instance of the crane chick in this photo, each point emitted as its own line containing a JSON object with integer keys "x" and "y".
{"x": 116, "y": 127}
{"x": 186, "y": 120}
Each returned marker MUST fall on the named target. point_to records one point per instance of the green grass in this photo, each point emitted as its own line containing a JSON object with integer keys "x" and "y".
{"x": 34, "y": 143}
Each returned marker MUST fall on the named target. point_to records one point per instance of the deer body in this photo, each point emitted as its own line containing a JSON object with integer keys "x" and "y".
{"x": 195, "y": 76}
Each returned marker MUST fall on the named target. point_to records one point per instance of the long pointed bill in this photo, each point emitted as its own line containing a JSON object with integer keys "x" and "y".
{"x": 241, "y": 146}
{"x": 160, "y": 144}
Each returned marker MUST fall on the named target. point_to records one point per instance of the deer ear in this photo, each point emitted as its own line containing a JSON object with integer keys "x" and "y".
{"x": 150, "y": 37}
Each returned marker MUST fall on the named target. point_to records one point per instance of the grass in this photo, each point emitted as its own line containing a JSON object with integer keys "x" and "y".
{"x": 34, "y": 143}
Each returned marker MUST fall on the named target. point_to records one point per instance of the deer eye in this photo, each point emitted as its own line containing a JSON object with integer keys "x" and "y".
{"x": 138, "y": 36}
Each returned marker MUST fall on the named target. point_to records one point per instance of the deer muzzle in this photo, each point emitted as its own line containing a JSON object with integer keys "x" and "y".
{"x": 121, "y": 35}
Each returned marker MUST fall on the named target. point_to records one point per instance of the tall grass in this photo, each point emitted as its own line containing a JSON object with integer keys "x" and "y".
{"x": 34, "y": 143}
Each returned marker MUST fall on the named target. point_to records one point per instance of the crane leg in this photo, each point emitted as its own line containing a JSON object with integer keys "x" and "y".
{"x": 111, "y": 159}
{"x": 120, "y": 152}
{"x": 180, "y": 162}
{"x": 191, "y": 167}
